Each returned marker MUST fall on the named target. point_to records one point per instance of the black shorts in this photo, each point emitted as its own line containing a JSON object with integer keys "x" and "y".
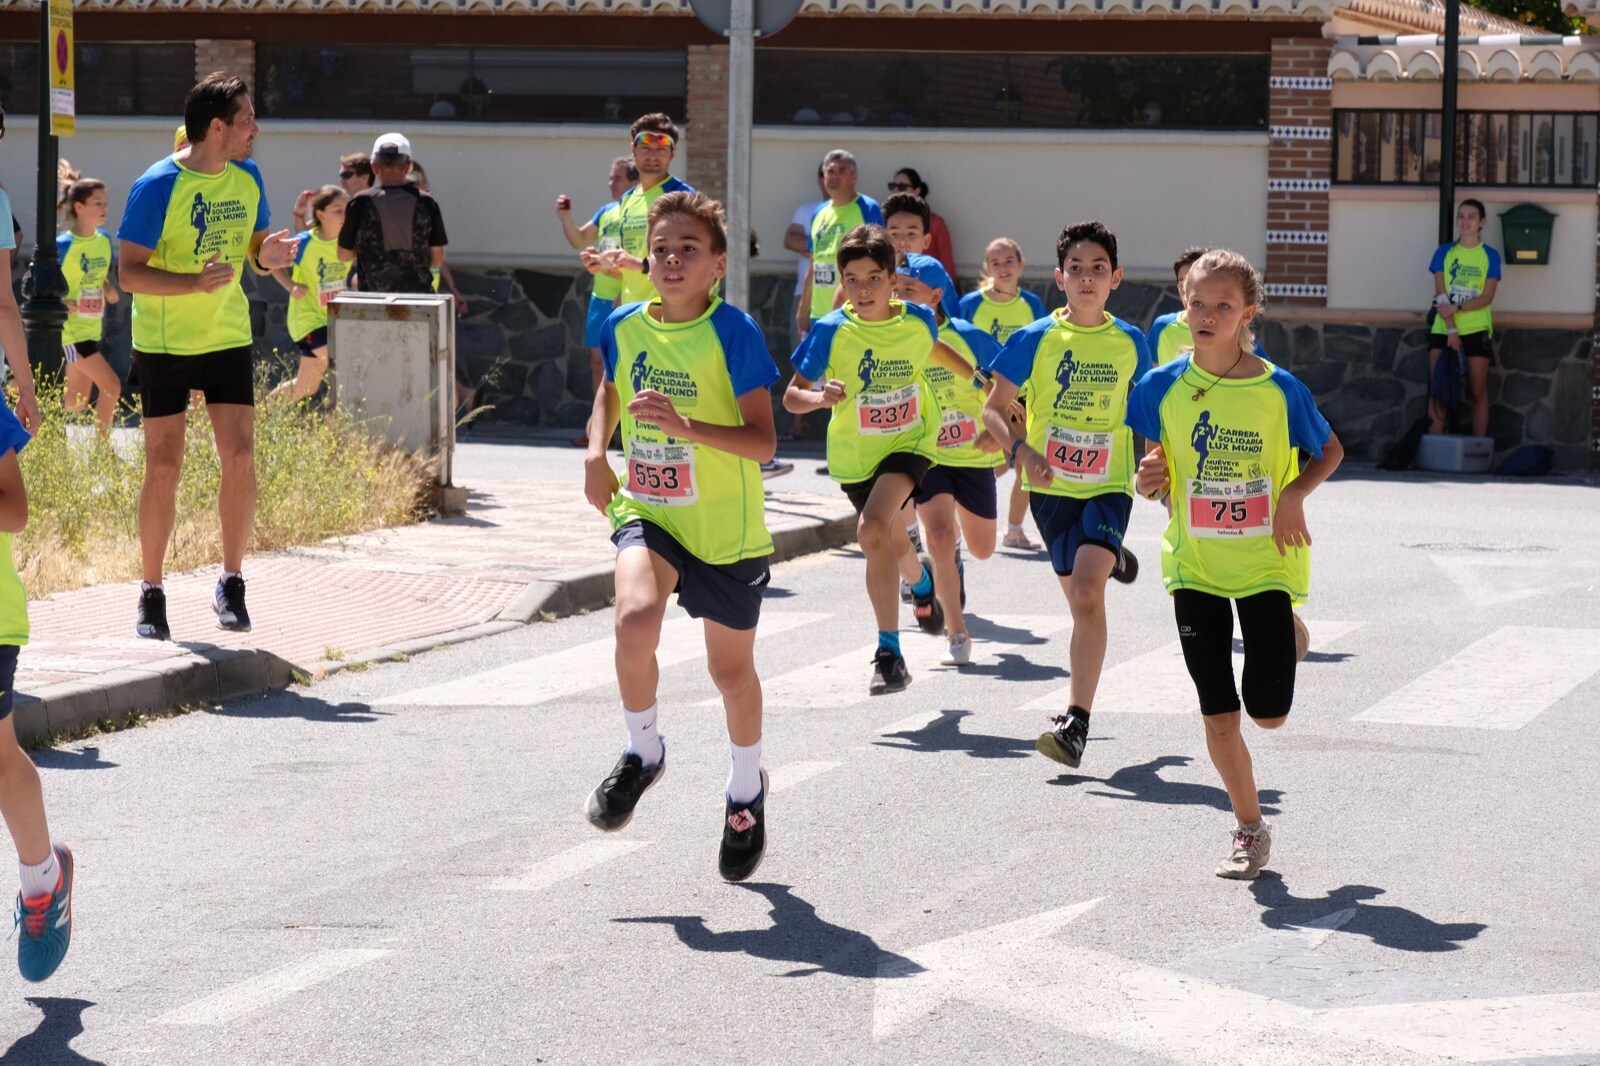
{"x": 8, "y": 678}
{"x": 1473, "y": 345}
{"x": 317, "y": 338}
{"x": 912, "y": 466}
{"x": 1067, "y": 523}
{"x": 79, "y": 350}
{"x": 1266, "y": 624}
{"x": 972, "y": 487}
{"x": 729, "y": 595}
{"x": 165, "y": 381}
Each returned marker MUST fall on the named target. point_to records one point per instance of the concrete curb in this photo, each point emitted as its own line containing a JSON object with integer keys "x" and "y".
{"x": 210, "y": 675}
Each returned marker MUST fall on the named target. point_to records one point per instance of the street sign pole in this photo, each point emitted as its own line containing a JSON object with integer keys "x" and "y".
{"x": 1447, "y": 119}
{"x": 44, "y": 288}
{"x": 741, "y": 106}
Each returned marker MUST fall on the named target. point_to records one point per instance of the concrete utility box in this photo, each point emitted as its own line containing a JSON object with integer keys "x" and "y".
{"x": 1447, "y": 454}
{"x": 393, "y": 359}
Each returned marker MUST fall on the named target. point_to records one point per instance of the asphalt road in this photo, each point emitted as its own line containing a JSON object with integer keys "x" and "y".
{"x": 393, "y": 867}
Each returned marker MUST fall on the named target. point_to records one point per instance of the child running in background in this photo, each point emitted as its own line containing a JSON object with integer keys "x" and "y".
{"x": 1000, "y": 306}
{"x": 865, "y": 361}
{"x": 1169, "y": 334}
{"x": 85, "y": 254}
{"x": 315, "y": 279}
{"x": 1228, "y": 424}
{"x": 687, "y": 378}
{"x": 1076, "y": 453}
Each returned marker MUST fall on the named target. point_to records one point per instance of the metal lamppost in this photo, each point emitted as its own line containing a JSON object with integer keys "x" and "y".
{"x": 1447, "y": 119}
{"x": 44, "y": 287}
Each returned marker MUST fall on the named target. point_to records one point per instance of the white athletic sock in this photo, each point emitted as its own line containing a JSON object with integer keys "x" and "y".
{"x": 226, "y": 574}
{"x": 40, "y": 880}
{"x": 643, "y": 739}
{"x": 145, "y": 586}
{"x": 1013, "y": 528}
{"x": 744, "y": 775}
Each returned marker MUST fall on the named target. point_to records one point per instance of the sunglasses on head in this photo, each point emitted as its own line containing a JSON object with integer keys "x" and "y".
{"x": 901, "y": 186}
{"x": 347, "y": 174}
{"x": 650, "y": 139}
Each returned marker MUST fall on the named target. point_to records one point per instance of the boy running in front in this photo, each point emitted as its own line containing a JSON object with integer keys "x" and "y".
{"x": 1227, "y": 424}
{"x": 1076, "y": 455}
{"x": 865, "y": 361}
{"x": 687, "y": 377}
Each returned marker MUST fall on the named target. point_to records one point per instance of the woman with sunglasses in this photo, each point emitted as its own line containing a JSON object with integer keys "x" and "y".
{"x": 941, "y": 248}
{"x": 655, "y": 138}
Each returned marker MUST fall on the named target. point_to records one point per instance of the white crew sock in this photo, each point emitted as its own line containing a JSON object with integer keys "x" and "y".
{"x": 145, "y": 586}
{"x": 744, "y": 775}
{"x": 643, "y": 739}
{"x": 226, "y": 574}
{"x": 40, "y": 880}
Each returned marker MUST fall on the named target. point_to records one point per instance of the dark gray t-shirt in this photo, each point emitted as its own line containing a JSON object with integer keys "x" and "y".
{"x": 393, "y": 230}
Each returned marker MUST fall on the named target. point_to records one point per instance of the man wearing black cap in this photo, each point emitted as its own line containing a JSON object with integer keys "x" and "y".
{"x": 393, "y": 231}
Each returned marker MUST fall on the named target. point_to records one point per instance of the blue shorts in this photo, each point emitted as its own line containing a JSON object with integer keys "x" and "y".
{"x": 599, "y": 310}
{"x": 972, "y": 487}
{"x": 317, "y": 338}
{"x": 729, "y": 595}
{"x": 8, "y": 678}
{"x": 1067, "y": 523}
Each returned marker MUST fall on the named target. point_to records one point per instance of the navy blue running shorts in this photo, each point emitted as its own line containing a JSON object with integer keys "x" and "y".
{"x": 972, "y": 487}
{"x": 8, "y": 678}
{"x": 912, "y": 466}
{"x": 1067, "y": 523}
{"x": 729, "y": 595}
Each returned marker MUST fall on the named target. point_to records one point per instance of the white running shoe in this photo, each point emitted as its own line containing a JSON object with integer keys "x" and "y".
{"x": 960, "y": 653}
{"x": 1251, "y": 847}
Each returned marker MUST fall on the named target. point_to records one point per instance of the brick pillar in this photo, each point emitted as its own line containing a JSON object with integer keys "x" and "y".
{"x": 708, "y": 119}
{"x": 235, "y": 57}
{"x": 1594, "y": 358}
{"x": 1299, "y": 165}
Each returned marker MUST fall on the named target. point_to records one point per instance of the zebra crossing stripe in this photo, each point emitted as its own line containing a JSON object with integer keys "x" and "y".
{"x": 579, "y": 668}
{"x": 1158, "y": 682}
{"x": 1503, "y": 681}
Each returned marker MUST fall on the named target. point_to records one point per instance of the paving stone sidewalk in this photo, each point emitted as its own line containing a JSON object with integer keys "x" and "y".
{"x": 523, "y": 549}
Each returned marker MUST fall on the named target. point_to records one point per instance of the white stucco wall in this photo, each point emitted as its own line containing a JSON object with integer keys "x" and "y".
{"x": 1379, "y": 247}
{"x": 1159, "y": 191}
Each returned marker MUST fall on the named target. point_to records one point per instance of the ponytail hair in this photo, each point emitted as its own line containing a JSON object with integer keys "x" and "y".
{"x": 1233, "y": 265}
{"x": 74, "y": 190}
{"x": 999, "y": 244}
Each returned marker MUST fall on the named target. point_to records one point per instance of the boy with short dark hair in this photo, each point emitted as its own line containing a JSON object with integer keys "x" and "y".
{"x": 1076, "y": 455}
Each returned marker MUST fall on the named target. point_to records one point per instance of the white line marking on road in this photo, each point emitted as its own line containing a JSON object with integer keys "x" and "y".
{"x": 569, "y": 863}
{"x": 796, "y": 773}
{"x": 1503, "y": 681}
{"x": 578, "y": 668}
{"x": 842, "y": 680}
{"x": 1523, "y": 1028}
{"x": 1158, "y": 682}
{"x": 250, "y": 995}
{"x": 910, "y": 723}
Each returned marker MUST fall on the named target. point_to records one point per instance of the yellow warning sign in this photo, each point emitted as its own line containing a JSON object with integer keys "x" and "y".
{"x": 62, "y": 70}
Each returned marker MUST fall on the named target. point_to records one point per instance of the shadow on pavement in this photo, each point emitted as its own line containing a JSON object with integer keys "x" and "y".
{"x": 1387, "y": 927}
{"x": 67, "y": 759}
{"x": 1145, "y": 784}
{"x": 983, "y": 629}
{"x": 1014, "y": 667}
{"x": 797, "y": 934}
{"x": 289, "y": 704}
{"x": 944, "y": 734}
{"x": 1311, "y": 656}
{"x": 51, "y": 1042}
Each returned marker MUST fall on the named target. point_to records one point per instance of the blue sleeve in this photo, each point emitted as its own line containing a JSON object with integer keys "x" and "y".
{"x": 969, "y": 305}
{"x": 926, "y": 317}
{"x": 1144, "y": 402}
{"x": 984, "y": 347}
{"x": 1036, "y": 304}
{"x": 750, "y": 365}
{"x": 1140, "y": 346}
{"x": 146, "y": 214}
{"x": 1153, "y": 342}
{"x": 1437, "y": 266}
{"x": 1308, "y": 430}
{"x": 1015, "y": 361}
{"x": 679, "y": 185}
{"x": 1260, "y": 352}
{"x": 304, "y": 237}
{"x": 63, "y": 247}
{"x": 263, "y": 209}
{"x": 1494, "y": 261}
{"x": 608, "y": 338}
{"x": 8, "y": 239}
{"x": 871, "y": 211}
{"x": 811, "y": 358}
{"x": 601, "y": 210}
{"x": 12, "y": 436}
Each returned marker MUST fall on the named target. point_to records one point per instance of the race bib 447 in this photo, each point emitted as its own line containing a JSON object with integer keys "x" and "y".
{"x": 1079, "y": 456}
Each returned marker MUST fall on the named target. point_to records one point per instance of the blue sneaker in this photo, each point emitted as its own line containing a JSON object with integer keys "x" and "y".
{"x": 46, "y": 924}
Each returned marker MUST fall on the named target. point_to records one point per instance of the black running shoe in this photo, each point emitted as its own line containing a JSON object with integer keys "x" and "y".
{"x": 1064, "y": 743}
{"x": 153, "y": 615}
{"x": 1127, "y": 567}
{"x": 961, "y": 572}
{"x": 610, "y": 806}
{"x": 744, "y": 837}
{"x": 889, "y": 673}
{"x": 229, "y": 605}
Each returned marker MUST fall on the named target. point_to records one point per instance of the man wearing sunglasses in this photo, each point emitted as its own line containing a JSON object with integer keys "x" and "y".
{"x": 655, "y": 142}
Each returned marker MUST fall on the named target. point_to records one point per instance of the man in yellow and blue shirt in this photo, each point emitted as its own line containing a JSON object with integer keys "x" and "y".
{"x": 655, "y": 142}
{"x": 842, "y": 212}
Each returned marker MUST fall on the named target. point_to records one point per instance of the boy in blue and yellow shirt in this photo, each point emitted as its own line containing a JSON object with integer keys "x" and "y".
{"x": 1076, "y": 454}
{"x": 687, "y": 379}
